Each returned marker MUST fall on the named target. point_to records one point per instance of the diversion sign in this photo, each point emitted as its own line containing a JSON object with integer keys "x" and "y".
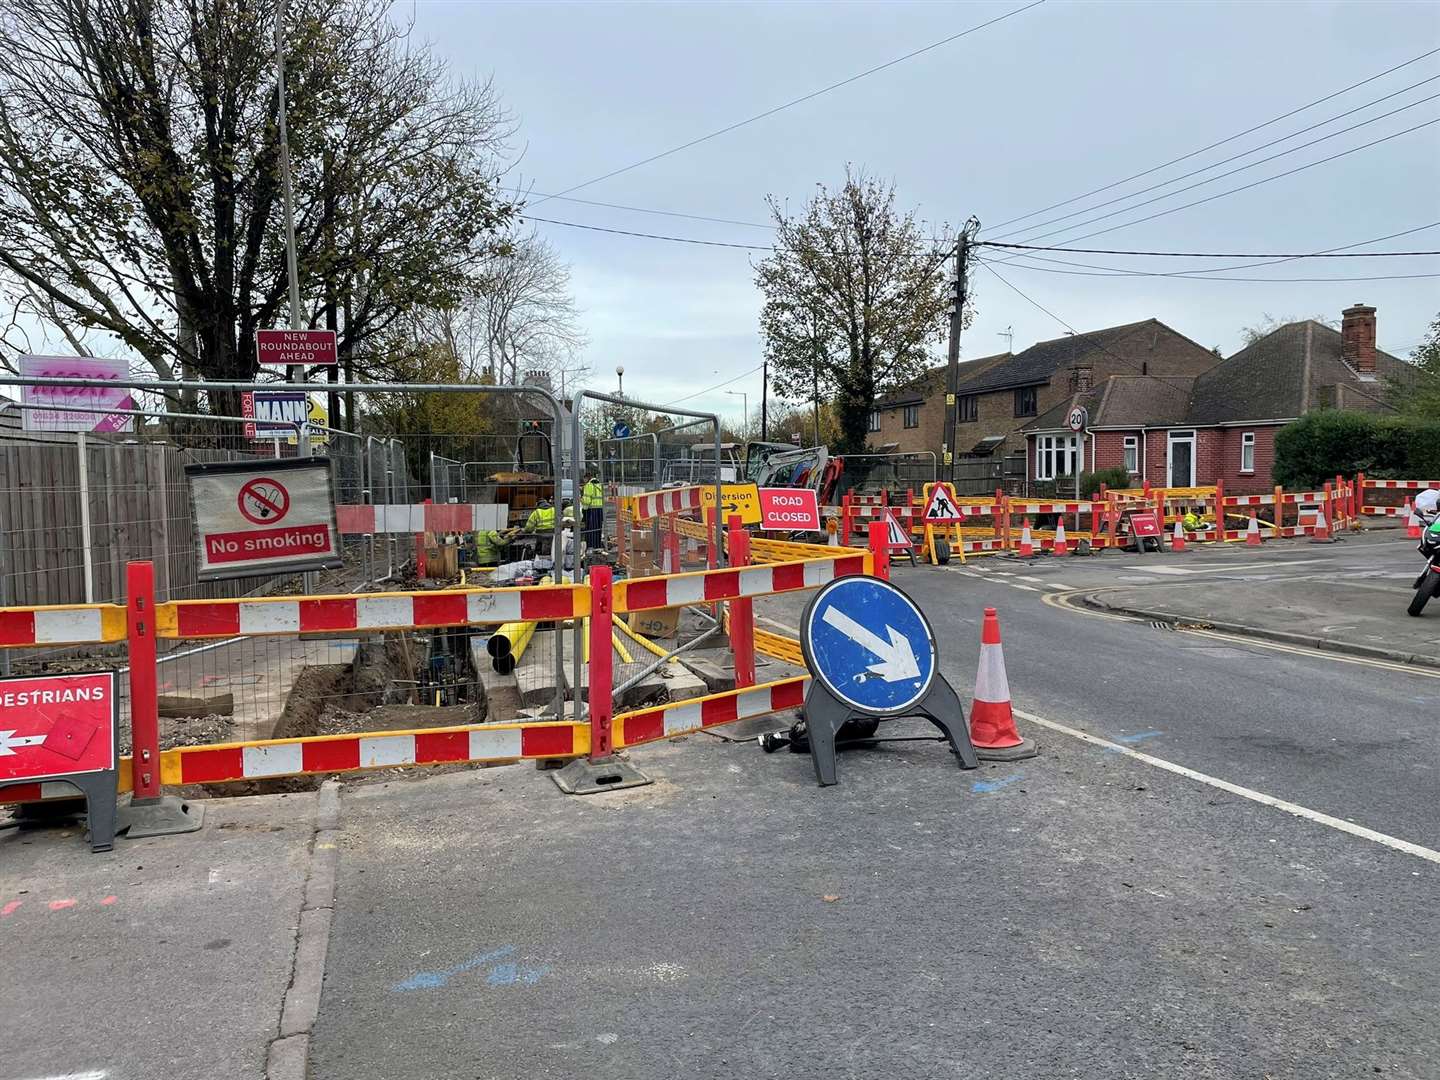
{"x": 263, "y": 517}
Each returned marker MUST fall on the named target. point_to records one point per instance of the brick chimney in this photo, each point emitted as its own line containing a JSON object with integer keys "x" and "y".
{"x": 1357, "y": 339}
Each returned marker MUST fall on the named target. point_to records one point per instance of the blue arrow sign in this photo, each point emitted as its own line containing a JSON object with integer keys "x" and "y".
{"x": 622, "y": 430}
{"x": 868, "y": 644}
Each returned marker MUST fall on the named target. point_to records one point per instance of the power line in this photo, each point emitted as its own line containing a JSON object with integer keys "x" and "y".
{"x": 1036, "y": 304}
{"x": 1240, "y": 169}
{"x": 649, "y": 236}
{"x": 1247, "y": 187}
{"x": 1237, "y": 157}
{"x": 1222, "y": 142}
{"x": 1221, "y": 254}
{"x": 717, "y": 386}
{"x": 1114, "y": 271}
{"x": 651, "y": 210}
{"x": 796, "y": 101}
{"x": 1274, "y": 260}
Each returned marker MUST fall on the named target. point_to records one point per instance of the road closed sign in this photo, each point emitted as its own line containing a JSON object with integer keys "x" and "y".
{"x": 789, "y": 508}
{"x": 263, "y": 517}
{"x": 56, "y": 725}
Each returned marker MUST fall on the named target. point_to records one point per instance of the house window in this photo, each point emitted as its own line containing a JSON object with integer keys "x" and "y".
{"x": 874, "y": 422}
{"x": 1055, "y": 455}
{"x": 912, "y": 416}
{"x": 969, "y": 408}
{"x": 1026, "y": 401}
{"x": 1132, "y": 453}
{"x": 1247, "y": 452}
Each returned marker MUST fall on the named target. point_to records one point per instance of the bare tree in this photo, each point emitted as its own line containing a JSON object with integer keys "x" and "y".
{"x": 140, "y": 183}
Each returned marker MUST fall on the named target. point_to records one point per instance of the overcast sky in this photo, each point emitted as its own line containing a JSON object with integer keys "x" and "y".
{"x": 1041, "y": 107}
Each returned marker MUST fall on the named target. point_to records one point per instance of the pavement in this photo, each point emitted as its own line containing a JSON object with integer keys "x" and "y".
{"x": 1224, "y": 863}
{"x": 166, "y": 957}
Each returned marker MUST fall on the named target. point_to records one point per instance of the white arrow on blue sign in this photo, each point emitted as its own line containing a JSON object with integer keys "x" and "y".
{"x": 622, "y": 430}
{"x": 868, "y": 644}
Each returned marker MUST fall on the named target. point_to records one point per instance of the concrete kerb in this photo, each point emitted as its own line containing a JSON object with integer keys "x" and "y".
{"x": 1093, "y": 599}
{"x": 288, "y": 1054}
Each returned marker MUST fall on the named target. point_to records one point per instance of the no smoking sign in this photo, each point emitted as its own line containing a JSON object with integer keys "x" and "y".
{"x": 251, "y": 519}
{"x": 264, "y": 501}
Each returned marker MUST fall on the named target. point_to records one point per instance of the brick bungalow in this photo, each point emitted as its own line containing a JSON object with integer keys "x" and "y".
{"x": 999, "y": 395}
{"x": 1187, "y": 432}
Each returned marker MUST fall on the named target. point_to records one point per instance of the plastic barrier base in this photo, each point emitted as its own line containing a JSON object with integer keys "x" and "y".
{"x": 165, "y": 816}
{"x": 585, "y": 777}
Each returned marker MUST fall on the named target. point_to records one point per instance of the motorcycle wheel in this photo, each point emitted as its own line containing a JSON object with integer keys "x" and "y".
{"x": 1423, "y": 594}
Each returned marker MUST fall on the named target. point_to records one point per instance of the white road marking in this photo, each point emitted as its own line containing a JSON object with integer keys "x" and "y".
{"x": 1384, "y": 839}
{"x": 1058, "y": 585}
{"x": 1233, "y": 569}
{"x": 1031, "y": 577}
{"x": 1027, "y": 588}
{"x": 95, "y": 1074}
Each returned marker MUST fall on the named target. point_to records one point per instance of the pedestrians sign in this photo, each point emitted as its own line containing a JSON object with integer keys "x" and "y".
{"x": 62, "y": 728}
{"x": 789, "y": 508}
{"x": 941, "y": 508}
{"x": 873, "y": 656}
{"x": 869, "y": 645}
{"x": 262, "y": 518}
{"x": 742, "y": 499}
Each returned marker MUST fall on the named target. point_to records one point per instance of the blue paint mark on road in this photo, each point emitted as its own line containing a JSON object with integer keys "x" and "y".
{"x": 510, "y": 974}
{"x": 436, "y": 980}
{"x": 984, "y": 787}
{"x": 1139, "y": 736}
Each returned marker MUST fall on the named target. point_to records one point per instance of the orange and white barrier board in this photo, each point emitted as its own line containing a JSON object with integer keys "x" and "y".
{"x": 668, "y": 721}
{"x": 705, "y": 586}
{"x": 668, "y": 501}
{"x": 402, "y": 518}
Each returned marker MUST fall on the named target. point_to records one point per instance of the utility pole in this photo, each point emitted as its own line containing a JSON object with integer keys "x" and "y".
{"x": 291, "y": 261}
{"x": 952, "y": 368}
{"x": 765, "y": 398}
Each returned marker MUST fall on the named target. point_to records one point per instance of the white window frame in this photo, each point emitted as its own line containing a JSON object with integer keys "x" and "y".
{"x": 1132, "y": 454}
{"x": 1171, "y": 438}
{"x": 911, "y": 412}
{"x": 1056, "y": 455}
{"x": 872, "y": 423}
{"x": 1247, "y": 449}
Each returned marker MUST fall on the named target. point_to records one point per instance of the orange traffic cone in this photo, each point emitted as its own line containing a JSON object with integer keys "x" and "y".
{"x": 1252, "y": 533}
{"x": 1177, "y": 538}
{"x": 1321, "y": 535}
{"x": 1412, "y": 521}
{"x": 992, "y": 721}
{"x": 1060, "y": 548}
{"x": 1027, "y": 543}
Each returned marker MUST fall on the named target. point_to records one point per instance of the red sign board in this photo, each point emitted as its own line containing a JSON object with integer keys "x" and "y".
{"x": 56, "y": 726}
{"x": 789, "y": 508}
{"x": 1144, "y": 523}
{"x": 263, "y": 517}
{"x": 285, "y": 348}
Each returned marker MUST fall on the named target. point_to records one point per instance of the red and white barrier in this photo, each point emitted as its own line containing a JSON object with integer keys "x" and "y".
{"x": 369, "y": 612}
{"x": 668, "y": 501}
{"x": 400, "y": 518}
{"x": 707, "y": 586}
{"x": 345, "y": 753}
{"x": 45, "y": 789}
{"x": 79, "y": 624}
{"x": 667, "y": 721}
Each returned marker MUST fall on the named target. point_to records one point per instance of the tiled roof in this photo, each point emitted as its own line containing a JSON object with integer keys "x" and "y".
{"x": 1125, "y": 401}
{"x": 1037, "y": 363}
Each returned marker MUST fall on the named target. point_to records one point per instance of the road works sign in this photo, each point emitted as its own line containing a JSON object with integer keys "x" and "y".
{"x": 941, "y": 508}
{"x": 263, "y": 517}
{"x": 873, "y": 656}
{"x": 895, "y": 535}
{"x": 56, "y": 726}
{"x": 296, "y": 347}
{"x": 742, "y": 499}
{"x": 789, "y": 508}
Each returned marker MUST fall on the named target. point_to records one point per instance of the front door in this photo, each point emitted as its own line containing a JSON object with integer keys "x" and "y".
{"x": 1181, "y": 459}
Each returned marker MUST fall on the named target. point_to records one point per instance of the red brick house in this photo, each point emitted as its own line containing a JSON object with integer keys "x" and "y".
{"x": 1221, "y": 424}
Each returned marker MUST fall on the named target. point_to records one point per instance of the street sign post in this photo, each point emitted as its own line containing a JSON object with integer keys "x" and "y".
{"x": 742, "y": 499}
{"x": 790, "y": 508}
{"x": 873, "y": 657}
{"x": 62, "y": 728}
{"x": 296, "y": 348}
{"x": 263, "y": 517}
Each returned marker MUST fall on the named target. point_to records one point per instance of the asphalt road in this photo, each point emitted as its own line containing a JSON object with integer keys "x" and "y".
{"x": 1084, "y": 913}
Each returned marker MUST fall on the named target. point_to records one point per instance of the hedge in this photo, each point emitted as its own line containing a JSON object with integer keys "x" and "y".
{"x": 1316, "y": 447}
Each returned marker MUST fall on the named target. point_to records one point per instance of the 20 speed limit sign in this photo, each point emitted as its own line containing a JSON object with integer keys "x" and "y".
{"x": 267, "y": 517}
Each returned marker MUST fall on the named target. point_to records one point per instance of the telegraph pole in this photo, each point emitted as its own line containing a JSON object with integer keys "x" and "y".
{"x": 952, "y": 368}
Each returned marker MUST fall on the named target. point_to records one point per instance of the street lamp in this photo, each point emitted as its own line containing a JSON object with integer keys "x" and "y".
{"x": 744, "y": 405}
{"x": 620, "y": 374}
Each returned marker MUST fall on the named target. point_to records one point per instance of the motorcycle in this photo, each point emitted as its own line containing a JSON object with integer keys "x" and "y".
{"x": 1427, "y": 584}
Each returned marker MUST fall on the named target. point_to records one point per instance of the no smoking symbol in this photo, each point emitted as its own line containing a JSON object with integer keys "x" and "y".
{"x": 264, "y": 501}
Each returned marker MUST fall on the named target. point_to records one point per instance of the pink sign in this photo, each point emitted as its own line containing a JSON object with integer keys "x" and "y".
{"x": 75, "y": 408}
{"x": 297, "y": 347}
